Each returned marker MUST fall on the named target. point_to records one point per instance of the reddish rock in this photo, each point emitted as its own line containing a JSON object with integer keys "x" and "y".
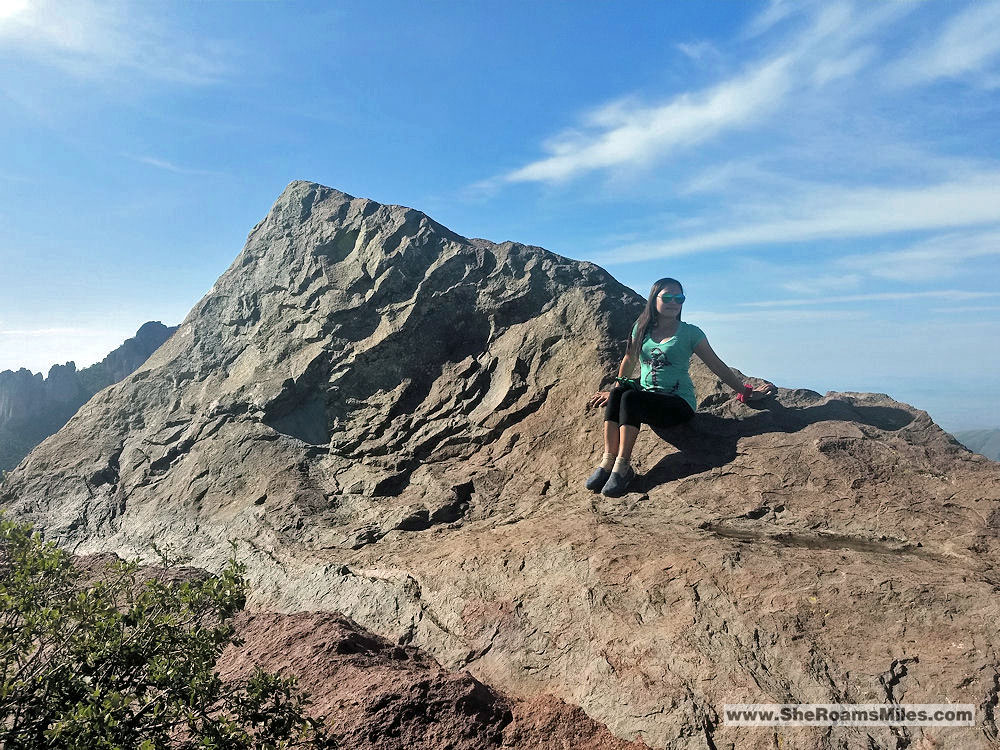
{"x": 380, "y": 696}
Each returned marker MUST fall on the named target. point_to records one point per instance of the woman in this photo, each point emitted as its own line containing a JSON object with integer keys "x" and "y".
{"x": 664, "y": 395}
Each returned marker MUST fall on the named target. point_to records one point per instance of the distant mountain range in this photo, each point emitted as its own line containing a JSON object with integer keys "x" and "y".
{"x": 33, "y": 407}
{"x": 983, "y": 442}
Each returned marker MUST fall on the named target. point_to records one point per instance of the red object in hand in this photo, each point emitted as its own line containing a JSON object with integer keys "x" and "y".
{"x": 744, "y": 395}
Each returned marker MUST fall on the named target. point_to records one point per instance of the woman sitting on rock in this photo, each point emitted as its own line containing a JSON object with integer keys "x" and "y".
{"x": 664, "y": 395}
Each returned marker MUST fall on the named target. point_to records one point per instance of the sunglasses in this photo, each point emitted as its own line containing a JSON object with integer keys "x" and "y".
{"x": 678, "y": 298}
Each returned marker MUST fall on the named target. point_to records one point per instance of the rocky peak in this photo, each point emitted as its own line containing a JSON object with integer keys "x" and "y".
{"x": 62, "y": 384}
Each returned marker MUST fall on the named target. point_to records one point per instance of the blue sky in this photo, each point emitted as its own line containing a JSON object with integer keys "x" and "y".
{"x": 823, "y": 177}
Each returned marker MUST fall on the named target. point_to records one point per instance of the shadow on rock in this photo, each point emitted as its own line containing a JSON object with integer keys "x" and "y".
{"x": 709, "y": 441}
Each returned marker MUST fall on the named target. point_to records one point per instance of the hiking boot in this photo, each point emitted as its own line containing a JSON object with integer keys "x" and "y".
{"x": 598, "y": 479}
{"x": 617, "y": 484}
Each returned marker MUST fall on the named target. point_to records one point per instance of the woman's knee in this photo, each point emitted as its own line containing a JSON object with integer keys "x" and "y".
{"x": 630, "y": 397}
{"x": 620, "y": 390}
{"x": 613, "y": 405}
{"x": 630, "y": 411}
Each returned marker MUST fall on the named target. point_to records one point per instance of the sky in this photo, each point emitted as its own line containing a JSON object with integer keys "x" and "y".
{"x": 824, "y": 178}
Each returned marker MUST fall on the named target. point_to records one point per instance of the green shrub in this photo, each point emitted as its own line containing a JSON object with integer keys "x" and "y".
{"x": 129, "y": 661}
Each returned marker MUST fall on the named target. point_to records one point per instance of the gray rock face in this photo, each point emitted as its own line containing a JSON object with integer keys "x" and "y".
{"x": 983, "y": 442}
{"x": 33, "y": 407}
{"x": 24, "y": 394}
{"x": 390, "y": 420}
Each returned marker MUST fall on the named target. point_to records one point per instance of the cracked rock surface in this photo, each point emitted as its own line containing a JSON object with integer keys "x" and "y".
{"x": 389, "y": 419}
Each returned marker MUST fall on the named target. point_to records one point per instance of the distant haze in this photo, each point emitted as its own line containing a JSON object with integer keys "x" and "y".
{"x": 985, "y": 442}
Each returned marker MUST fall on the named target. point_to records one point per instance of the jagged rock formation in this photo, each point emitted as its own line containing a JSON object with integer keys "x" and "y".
{"x": 33, "y": 407}
{"x": 984, "y": 442}
{"x": 390, "y": 419}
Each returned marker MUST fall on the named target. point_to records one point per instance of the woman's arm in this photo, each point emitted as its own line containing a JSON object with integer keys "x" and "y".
{"x": 724, "y": 372}
{"x": 624, "y": 371}
{"x": 626, "y": 367}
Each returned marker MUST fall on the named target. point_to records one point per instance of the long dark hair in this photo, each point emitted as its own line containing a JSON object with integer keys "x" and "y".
{"x": 648, "y": 316}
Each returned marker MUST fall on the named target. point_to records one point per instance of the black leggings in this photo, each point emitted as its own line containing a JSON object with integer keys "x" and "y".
{"x": 632, "y": 407}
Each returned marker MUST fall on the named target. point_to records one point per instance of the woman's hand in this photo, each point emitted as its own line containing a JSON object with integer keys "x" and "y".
{"x": 599, "y": 399}
{"x": 762, "y": 391}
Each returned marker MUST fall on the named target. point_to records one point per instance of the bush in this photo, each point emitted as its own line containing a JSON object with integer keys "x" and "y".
{"x": 129, "y": 661}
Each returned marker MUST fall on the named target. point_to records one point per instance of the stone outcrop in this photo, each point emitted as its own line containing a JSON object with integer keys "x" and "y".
{"x": 377, "y": 695}
{"x": 389, "y": 419}
{"x": 33, "y": 407}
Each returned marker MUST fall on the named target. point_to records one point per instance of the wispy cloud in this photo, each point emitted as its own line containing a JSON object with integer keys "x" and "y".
{"x": 935, "y": 258}
{"x": 626, "y": 132}
{"x": 823, "y": 283}
{"x": 970, "y": 255}
{"x": 955, "y": 294}
{"x": 827, "y": 71}
{"x": 698, "y": 50}
{"x": 775, "y": 12}
{"x": 966, "y": 309}
{"x": 169, "y": 166}
{"x": 630, "y": 132}
{"x": 779, "y": 316}
{"x": 843, "y": 212}
{"x": 97, "y": 40}
{"x": 969, "y": 44}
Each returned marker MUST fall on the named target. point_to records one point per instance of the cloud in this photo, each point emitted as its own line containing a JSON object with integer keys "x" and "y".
{"x": 628, "y": 132}
{"x": 631, "y": 134}
{"x": 966, "y": 308}
{"x": 698, "y": 50}
{"x": 831, "y": 70}
{"x": 775, "y": 12}
{"x": 10, "y": 8}
{"x": 778, "y": 316}
{"x": 98, "y": 40}
{"x": 169, "y": 166}
{"x": 747, "y": 175}
{"x": 829, "y": 213}
{"x": 875, "y": 297}
{"x": 929, "y": 260}
{"x": 823, "y": 283}
{"x": 968, "y": 44}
